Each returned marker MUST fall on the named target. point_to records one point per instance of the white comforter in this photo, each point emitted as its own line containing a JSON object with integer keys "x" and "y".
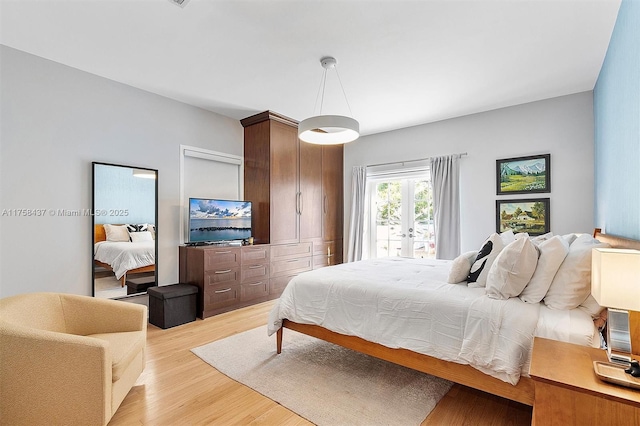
{"x": 407, "y": 303}
{"x": 125, "y": 256}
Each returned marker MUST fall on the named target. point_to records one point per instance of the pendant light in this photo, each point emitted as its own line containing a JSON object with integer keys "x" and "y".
{"x": 329, "y": 129}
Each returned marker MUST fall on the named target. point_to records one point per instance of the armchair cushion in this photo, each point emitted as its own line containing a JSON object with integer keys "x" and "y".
{"x": 124, "y": 347}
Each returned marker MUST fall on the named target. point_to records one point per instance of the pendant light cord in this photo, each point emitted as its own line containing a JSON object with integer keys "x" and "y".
{"x": 323, "y": 83}
{"x": 343, "y": 92}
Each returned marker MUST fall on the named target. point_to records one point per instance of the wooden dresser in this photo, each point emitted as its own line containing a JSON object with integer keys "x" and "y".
{"x": 227, "y": 277}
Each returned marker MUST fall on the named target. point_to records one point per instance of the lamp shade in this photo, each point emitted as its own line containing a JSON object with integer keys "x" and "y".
{"x": 615, "y": 278}
{"x": 328, "y": 129}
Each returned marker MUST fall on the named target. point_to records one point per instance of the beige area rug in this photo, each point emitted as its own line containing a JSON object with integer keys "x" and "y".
{"x": 323, "y": 382}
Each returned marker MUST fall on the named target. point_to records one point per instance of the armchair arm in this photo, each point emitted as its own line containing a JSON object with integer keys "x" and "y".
{"x": 53, "y": 377}
{"x": 89, "y": 315}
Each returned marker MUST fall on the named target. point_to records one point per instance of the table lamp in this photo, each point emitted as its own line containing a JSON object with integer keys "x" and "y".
{"x": 615, "y": 284}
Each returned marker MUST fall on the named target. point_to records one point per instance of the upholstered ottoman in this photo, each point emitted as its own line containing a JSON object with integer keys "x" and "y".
{"x": 172, "y": 305}
{"x": 140, "y": 285}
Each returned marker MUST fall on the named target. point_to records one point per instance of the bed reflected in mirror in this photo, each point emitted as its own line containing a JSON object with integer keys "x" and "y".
{"x": 125, "y": 213}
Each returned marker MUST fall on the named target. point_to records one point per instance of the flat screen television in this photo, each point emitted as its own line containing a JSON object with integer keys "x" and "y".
{"x": 212, "y": 220}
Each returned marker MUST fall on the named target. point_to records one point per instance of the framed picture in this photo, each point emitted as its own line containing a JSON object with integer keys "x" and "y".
{"x": 530, "y": 215}
{"x": 524, "y": 175}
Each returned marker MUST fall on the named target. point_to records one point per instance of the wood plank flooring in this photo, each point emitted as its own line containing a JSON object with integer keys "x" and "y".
{"x": 177, "y": 388}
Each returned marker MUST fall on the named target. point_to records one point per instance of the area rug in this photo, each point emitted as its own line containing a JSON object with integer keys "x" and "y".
{"x": 323, "y": 382}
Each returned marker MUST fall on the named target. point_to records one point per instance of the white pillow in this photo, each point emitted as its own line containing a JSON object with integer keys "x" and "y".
{"x": 572, "y": 283}
{"x": 486, "y": 256}
{"x": 152, "y": 229}
{"x": 138, "y": 237}
{"x": 570, "y": 238}
{"x": 521, "y": 235}
{"x": 542, "y": 238}
{"x": 552, "y": 253}
{"x": 116, "y": 233}
{"x": 461, "y": 266}
{"x": 508, "y": 237}
{"x": 591, "y": 307}
{"x": 512, "y": 269}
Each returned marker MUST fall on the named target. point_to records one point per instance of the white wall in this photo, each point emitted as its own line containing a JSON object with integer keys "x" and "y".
{"x": 561, "y": 126}
{"x": 56, "y": 120}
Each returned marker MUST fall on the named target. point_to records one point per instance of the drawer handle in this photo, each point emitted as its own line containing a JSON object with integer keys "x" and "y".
{"x": 256, "y": 266}
{"x": 223, "y": 291}
{"x": 256, "y": 249}
{"x": 292, "y": 245}
{"x": 223, "y": 252}
{"x": 226, "y": 271}
{"x": 255, "y": 284}
{"x": 293, "y": 260}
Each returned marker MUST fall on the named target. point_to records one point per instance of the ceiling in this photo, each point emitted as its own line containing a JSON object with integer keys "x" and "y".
{"x": 401, "y": 63}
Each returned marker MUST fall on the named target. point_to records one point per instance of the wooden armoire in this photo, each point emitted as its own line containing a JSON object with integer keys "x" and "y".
{"x": 296, "y": 190}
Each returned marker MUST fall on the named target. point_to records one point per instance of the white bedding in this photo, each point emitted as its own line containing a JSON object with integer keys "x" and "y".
{"x": 407, "y": 303}
{"x": 125, "y": 256}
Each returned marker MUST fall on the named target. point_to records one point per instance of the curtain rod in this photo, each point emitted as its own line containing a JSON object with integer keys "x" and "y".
{"x": 462, "y": 154}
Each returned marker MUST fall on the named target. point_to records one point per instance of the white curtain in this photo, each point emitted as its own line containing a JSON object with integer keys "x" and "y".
{"x": 445, "y": 179}
{"x": 358, "y": 200}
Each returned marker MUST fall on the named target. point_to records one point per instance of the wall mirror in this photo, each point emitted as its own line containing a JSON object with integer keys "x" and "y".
{"x": 125, "y": 214}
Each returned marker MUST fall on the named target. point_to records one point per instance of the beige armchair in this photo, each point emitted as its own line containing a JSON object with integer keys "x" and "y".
{"x": 68, "y": 359}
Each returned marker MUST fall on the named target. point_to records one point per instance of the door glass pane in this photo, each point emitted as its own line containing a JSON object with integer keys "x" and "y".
{"x": 396, "y": 234}
{"x": 423, "y": 243}
{"x": 388, "y": 218}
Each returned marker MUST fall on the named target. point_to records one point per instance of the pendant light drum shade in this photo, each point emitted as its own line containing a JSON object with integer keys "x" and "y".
{"x": 328, "y": 130}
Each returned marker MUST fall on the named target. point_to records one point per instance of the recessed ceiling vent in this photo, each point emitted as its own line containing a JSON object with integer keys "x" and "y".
{"x": 181, "y": 3}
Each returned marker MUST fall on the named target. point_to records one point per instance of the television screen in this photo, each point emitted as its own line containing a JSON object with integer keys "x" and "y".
{"x": 218, "y": 220}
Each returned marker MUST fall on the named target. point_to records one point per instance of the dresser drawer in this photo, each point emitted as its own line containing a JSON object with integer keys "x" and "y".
{"x": 291, "y": 266}
{"x": 322, "y": 261}
{"x": 254, "y": 272}
{"x": 220, "y": 275}
{"x": 251, "y": 291}
{"x": 277, "y": 285}
{"x": 215, "y": 258}
{"x": 290, "y": 251}
{"x": 324, "y": 248}
{"x": 255, "y": 254}
{"x": 221, "y": 295}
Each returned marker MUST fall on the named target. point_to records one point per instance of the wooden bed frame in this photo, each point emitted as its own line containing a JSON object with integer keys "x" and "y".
{"x": 99, "y": 234}
{"x": 466, "y": 375}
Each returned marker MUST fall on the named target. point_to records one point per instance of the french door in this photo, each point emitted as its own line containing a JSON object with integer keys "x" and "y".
{"x": 402, "y": 218}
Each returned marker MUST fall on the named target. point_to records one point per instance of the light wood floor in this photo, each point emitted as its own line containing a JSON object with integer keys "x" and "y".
{"x": 177, "y": 387}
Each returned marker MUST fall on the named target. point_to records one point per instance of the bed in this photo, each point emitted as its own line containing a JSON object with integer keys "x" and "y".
{"x": 123, "y": 257}
{"x": 452, "y": 352}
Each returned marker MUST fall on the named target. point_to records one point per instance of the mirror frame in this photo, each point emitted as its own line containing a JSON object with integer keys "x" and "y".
{"x": 93, "y": 224}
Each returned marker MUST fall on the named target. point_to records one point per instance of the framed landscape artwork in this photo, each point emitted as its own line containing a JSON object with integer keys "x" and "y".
{"x": 530, "y": 215}
{"x": 523, "y": 175}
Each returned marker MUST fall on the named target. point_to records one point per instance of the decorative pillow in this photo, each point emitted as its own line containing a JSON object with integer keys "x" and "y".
{"x": 552, "y": 253}
{"x": 461, "y": 266}
{"x": 137, "y": 228}
{"x": 572, "y": 283}
{"x": 116, "y": 233}
{"x": 152, "y": 228}
{"x": 486, "y": 255}
{"x": 507, "y": 237}
{"x": 512, "y": 269}
{"x": 541, "y": 238}
{"x": 570, "y": 238}
{"x": 138, "y": 237}
{"x": 521, "y": 235}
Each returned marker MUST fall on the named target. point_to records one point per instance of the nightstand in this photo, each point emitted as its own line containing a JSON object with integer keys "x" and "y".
{"x": 567, "y": 391}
